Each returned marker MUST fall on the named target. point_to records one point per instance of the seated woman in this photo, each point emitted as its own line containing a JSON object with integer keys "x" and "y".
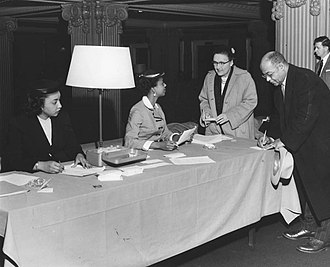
{"x": 146, "y": 127}
{"x": 42, "y": 137}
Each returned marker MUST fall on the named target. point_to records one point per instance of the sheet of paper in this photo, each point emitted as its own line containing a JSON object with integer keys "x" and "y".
{"x": 80, "y": 171}
{"x": 256, "y": 148}
{"x": 192, "y": 160}
{"x": 156, "y": 165}
{"x": 185, "y": 136}
{"x": 209, "y": 139}
{"x": 175, "y": 155}
{"x": 17, "y": 179}
{"x": 46, "y": 190}
{"x": 131, "y": 170}
{"x": 110, "y": 175}
{"x": 151, "y": 161}
{"x": 9, "y": 189}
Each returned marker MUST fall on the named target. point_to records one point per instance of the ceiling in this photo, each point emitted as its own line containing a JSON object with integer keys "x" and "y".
{"x": 150, "y": 12}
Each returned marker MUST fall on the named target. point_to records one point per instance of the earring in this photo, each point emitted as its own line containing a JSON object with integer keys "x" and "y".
{"x": 154, "y": 94}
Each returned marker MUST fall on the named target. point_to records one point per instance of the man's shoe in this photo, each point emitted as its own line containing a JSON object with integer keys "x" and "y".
{"x": 300, "y": 234}
{"x": 313, "y": 246}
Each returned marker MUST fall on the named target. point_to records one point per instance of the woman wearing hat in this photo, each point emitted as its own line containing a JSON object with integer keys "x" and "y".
{"x": 42, "y": 137}
{"x": 146, "y": 127}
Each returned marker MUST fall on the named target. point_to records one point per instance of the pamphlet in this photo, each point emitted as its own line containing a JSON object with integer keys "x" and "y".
{"x": 185, "y": 136}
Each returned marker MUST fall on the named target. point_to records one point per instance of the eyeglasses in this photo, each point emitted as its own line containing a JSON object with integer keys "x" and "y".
{"x": 215, "y": 63}
{"x": 269, "y": 75}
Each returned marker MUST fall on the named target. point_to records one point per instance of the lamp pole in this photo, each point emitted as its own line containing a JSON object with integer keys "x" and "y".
{"x": 100, "y": 144}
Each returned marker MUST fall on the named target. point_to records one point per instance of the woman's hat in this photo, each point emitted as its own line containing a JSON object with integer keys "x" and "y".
{"x": 44, "y": 86}
{"x": 152, "y": 74}
{"x": 283, "y": 166}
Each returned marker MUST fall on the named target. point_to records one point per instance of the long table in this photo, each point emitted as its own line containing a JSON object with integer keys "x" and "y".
{"x": 145, "y": 218}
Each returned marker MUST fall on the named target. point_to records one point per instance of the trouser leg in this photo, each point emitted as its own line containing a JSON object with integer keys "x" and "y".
{"x": 323, "y": 231}
{"x": 307, "y": 219}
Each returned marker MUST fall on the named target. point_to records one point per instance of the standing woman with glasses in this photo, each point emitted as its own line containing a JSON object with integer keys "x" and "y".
{"x": 228, "y": 97}
{"x": 146, "y": 127}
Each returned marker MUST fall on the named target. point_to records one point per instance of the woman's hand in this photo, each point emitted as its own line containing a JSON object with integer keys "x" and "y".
{"x": 50, "y": 166}
{"x": 205, "y": 116}
{"x": 164, "y": 145}
{"x": 222, "y": 118}
{"x": 80, "y": 159}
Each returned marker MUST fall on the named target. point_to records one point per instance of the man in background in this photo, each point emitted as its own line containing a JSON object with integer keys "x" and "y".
{"x": 321, "y": 52}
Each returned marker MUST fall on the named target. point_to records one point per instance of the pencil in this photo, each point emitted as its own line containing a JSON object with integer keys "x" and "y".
{"x": 44, "y": 184}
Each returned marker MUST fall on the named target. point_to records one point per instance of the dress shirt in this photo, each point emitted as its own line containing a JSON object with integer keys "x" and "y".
{"x": 47, "y": 127}
{"x": 324, "y": 60}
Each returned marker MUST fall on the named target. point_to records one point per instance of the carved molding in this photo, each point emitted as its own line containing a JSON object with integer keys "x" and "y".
{"x": 7, "y": 25}
{"x": 278, "y": 6}
{"x": 94, "y": 12}
{"x": 277, "y": 10}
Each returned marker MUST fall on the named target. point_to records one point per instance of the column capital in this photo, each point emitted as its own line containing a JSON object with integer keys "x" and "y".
{"x": 7, "y": 25}
{"x": 277, "y": 10}
{"x": 94, "y": 15}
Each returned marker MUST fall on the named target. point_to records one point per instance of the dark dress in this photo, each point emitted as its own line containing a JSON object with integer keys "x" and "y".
{"x": 27, "y": 143}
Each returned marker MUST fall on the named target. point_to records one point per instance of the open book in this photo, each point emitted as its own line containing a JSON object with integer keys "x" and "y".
{"x": 185, "y": 136}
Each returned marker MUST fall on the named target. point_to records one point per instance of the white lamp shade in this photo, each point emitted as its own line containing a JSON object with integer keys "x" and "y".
{"x": 101, "y": 67}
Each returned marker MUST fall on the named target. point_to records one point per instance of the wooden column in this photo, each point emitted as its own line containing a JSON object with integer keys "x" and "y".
{"x": 298, "y": 23}
{"x": 7, "y": 27}
{"x": 95, "y": 23}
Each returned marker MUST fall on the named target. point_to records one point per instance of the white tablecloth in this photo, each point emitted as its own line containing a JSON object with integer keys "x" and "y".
{"x": 145, "y": 218}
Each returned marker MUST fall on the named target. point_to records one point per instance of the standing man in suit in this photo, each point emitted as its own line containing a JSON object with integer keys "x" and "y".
{"x": 302, "y": 100}
{"x": 322, "y": 52}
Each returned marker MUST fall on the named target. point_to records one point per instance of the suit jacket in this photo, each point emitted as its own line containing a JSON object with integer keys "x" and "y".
{"x": 141, "y": 126}
{"x": 239, "y": 103}
{"x": 27, "y": 143}
{"x": 325, "y": 74}
{"x": 305, "y": 131}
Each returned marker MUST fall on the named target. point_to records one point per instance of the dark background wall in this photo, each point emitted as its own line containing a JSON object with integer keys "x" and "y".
{"x": 44, "y": 52}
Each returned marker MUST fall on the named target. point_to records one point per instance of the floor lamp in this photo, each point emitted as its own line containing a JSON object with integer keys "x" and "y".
{"x": 102, "y": 68}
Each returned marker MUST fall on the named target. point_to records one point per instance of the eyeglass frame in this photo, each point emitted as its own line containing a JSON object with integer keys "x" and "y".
{"x": 221, "y": 63}
{"x": 268, "y": 75}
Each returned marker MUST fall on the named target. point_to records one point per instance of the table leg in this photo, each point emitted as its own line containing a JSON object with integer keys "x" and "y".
{"x": 252, "y": 232}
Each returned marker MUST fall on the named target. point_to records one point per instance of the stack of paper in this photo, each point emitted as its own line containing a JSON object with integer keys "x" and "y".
{"x": 80, "y": 171}
{"x": 110, "y": 175}
{"x": 209, "y": 139}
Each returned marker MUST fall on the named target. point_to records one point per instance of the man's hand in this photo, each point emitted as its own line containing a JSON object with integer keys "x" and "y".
{"x": 265, "y": 142}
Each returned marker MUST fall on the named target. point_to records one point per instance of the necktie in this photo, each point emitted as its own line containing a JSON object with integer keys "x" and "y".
{"x": 283, "y": 91}
{"x": 320, "y": 68}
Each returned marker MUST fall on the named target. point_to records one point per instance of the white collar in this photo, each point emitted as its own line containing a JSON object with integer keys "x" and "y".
{"x": 148, "y": 104}
{"x": 284, "y": 82}
{"x": 325, "y": 58}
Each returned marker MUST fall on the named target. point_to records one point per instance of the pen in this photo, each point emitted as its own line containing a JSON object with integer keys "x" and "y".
{"x": 44, "y": 184}
{"x": 263, "y": 140}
